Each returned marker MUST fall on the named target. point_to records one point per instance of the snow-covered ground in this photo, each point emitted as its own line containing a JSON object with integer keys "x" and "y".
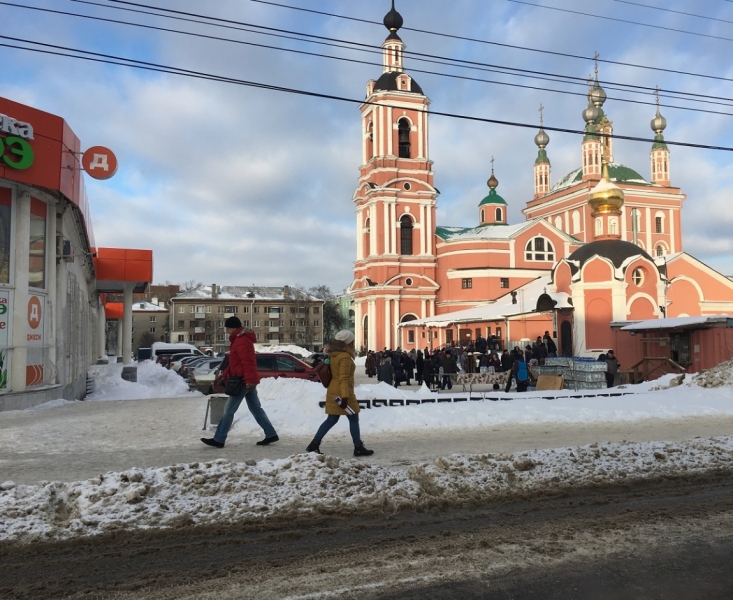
{"x": 231, "y": 492}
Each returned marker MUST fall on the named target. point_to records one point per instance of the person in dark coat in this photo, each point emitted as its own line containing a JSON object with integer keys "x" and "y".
{"x": 540, "y": 351}
{"x": 513, "y": 358}
{"x": 435, "y": 369}
{"x": 507, "y": 359}
{"x": 242, "y": 363}
{"x": 450, "y": 367}
{"x": 370, "y": 365}
{"x": 520, "y": 372}
{"x": 385, "y": 372}
{"x": 495, "y": 362}
{"x": 528, "y": 353}
{"x": 419, "y": 366}
{"x": 397, "y": 365}
{"x": 550, "y": 343}
{"x": 408, "y": 367}
{"x": 481, "y": 344}
{"x": 612, "y": 368}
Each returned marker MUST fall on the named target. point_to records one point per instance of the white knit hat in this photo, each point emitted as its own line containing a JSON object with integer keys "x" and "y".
{"x": 345, "y": 336}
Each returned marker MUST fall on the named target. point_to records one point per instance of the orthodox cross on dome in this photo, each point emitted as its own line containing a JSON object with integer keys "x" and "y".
{"x": 656, "y": 93}
{"x": 542, "y": 115}
{"x": 492, "y": 165}
{"x": 596, "y": 56}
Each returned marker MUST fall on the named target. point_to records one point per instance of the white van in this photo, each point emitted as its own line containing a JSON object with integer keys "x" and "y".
{"x": 159, "y": 349}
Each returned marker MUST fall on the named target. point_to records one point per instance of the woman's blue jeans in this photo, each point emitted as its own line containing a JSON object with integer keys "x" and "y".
{"x": 232, "y": 405}
{"x": 331, "y": 420}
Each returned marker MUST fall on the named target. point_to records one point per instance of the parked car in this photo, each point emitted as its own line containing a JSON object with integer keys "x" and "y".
{"x": 180, "y": 365}
{"x": 178, "y": 360}
{"x": 315, "y": 358}
{"x": 275, "y": 364}
{"x": 203, "y": 365}
{"x": 159, "y": 349}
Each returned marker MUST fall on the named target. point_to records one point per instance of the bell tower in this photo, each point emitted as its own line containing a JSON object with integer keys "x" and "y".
{"x": 395, "y": 268}
{"x": 542, "y": 164}
{"x": 660, "y": 151}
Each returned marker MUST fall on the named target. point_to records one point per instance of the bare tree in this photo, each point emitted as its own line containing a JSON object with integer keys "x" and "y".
{"x": 189, "y": 285}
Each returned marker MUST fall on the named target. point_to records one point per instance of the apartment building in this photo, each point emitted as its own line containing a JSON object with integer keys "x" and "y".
{"x": 277, "y": 315}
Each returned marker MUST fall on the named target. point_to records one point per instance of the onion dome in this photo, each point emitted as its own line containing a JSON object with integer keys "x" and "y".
{"x": 606, "y": 197}
{"x": 597, "y": 95}
{"x": 541, "y": 139}
{"x": 493, "y": 197}
{"x": 591, "y": 113}
{"x": 393, "y": 20}
{"x": 659, "y": 123}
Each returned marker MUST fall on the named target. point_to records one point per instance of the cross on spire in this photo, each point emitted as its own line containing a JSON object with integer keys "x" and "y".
{"x": 492, "y": 165}
{"x": 656, "y": 93}
{"x": 542, "y": 115}
{"x": 596, "y": 56}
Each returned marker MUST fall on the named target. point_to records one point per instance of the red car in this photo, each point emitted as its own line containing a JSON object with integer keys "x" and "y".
{"x": 284, "y": 365}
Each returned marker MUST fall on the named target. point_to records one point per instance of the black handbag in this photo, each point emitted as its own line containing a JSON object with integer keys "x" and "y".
{"x": 234, "y": 385}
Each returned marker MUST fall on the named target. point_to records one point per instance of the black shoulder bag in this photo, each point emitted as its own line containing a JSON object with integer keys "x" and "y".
{"x": 234, "y": 385}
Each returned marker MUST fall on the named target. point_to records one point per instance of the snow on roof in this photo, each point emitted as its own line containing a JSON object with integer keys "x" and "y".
{"x": 677, "y": 322}
{"x": 145, "y": 306}
{"x": 235, "y": 292}
{"x": 487, "y": 232}
{"x": 527, "y": 297}
{"x": 617, "y": 172}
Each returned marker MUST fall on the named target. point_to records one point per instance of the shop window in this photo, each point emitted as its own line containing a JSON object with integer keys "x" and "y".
{"x": 539, "y": 249}
{"x": 37, "y": 252}
{"x": 5, "y": 209}
{"x": 467, "y": 284}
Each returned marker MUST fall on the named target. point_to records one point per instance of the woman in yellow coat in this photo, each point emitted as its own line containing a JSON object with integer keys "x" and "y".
{"x": 340, "y": 397}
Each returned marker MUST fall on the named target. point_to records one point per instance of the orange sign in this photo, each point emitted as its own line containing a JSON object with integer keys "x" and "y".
{"x": 35, "y": 312}
{"x": 99, "y": 162}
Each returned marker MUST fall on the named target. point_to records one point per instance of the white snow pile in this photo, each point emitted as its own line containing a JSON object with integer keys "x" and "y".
{"x": 284, "y": 348}
{"x": 153, "y": 381}
{"x": 309, "y": 485}
{"x": 719, "y": 376}
{"x": 293, "y": 407}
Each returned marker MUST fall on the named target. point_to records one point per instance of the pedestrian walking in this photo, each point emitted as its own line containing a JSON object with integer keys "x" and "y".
{"x": 521, "y": 372}
{"x": 370, "y": 365}
{"x": 340, "y": 397}
{"x": 241, "y": 384}
{"x": 419, "y": 367}
{"x": 448, "y": 363}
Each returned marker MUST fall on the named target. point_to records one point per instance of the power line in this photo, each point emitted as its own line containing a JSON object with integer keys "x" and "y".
{"x": 503, "y": 45}
{"x": 149, "y": 66}
{"x": 678, "y": 12}
{"x": 470, "y": 64}
{"x": 584, "y": 14}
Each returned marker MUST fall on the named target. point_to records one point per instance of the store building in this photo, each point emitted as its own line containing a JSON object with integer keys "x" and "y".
{"x": 52, "y": 275}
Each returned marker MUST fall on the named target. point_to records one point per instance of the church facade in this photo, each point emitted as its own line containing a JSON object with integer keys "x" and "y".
{"x": 602, "y": 243}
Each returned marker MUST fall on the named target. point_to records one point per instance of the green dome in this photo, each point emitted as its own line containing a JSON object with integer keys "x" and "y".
{"x": 492, "y": 198}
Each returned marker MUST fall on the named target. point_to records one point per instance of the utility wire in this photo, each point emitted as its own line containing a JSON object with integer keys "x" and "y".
{"x": 478, "y": 66}
{"x": 63, "y": 51}
{"x": 585, "y": 14}
{"x": 678, "y": 12}
{"x": 479, "y": 41}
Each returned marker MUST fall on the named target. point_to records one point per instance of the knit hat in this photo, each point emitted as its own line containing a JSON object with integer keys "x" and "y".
{"x": 232, "y": 323}
{"x": 345, "y": 336}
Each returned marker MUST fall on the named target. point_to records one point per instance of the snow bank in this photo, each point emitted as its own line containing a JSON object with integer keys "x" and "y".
{"x": 153, "y": 381}
{"x": 719, "y": 376}
{"x": 293, "y": 408}
{"x": 285, "y": 348}
{"x": 308, "y": 485}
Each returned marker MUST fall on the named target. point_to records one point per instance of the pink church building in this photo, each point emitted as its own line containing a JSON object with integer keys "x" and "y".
{"x": 601, "y": 246}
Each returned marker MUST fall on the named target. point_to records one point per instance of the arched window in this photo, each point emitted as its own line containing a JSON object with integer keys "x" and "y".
{"x": 576, "y": 222}
{"x": 599, "y": 226}
{"x": 367, "y": 238}
{"x": 406, "y": 236}
{"x": 638, "y": 277}
{"x": 613, "y": 226}
{"x": 370, "y": 140}
{"x": 482, "y": 216}
{"x": 499, "y": 214}
{"x": 539, "y": 248}
{"x": 659, "y": 222}
{"x": 558, "y": 222}
{"x": 404, "y": 138}
{"x": 660, "y": 250}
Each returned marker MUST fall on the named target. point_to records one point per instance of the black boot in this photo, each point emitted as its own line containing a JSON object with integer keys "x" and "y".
{"x": 314, "y": 446}
{"x": 212, "y": 442}
{"x": 268, "y": 440}
{"x": 360, "y": 450}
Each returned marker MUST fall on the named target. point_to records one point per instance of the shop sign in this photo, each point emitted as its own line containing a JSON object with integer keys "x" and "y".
{"x": 15, "y": 151}
{"x": 36, "y": 338}
{"x": 99, "y": 162}
{"x": 4, "y": 335}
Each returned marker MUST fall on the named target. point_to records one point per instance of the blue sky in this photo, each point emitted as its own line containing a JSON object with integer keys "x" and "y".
{"x": 234, "y": 185}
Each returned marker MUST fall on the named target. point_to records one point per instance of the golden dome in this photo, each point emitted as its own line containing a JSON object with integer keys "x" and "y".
{"x": 606, "y": 197}
{"x": 493, "y": 182}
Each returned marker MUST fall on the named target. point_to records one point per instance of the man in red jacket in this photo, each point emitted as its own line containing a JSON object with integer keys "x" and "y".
{"x": 242, "y": 363}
